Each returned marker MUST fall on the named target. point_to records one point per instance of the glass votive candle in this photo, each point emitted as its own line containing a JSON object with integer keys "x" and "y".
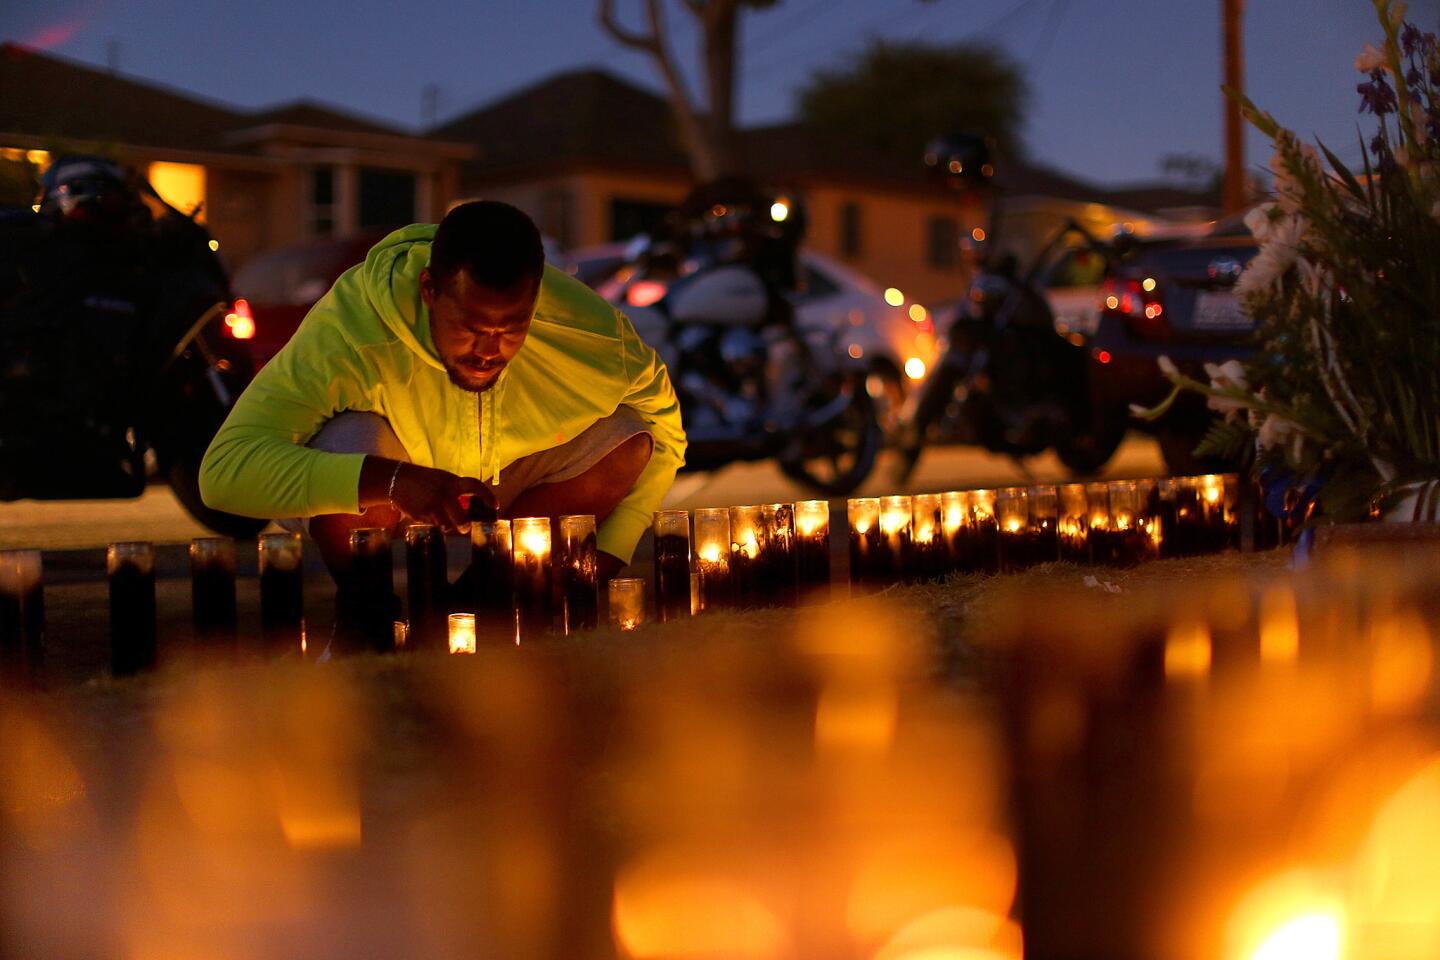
{"x": 712, "y": 557}
{"x": 1147, "y": 492}
{"x": 1231, "y": 509}
{"x": 372, "y": 577}
{"x": 1128, "y": 538}
{"x": 532, "y": 576}
{"x": 956, "y": 525}
{"x": 777, "y": 554}
{"x": 747, "y": 538}
{"x": 22, "y": 617}
{"x": 1072, "y": 523}
{"x": 1097, "y": 520}
{"x": 986, "y": 534}
{"x": 212, "y": 589}
{"x": 672, "y": 564}
{"x": 492, "y": 569}
{"x": 863, "y": 516}
{"x": 1012, "y": 511}
{"x": 1174, "y": 508}
{"x": 892, "y": 558}
{"x": 812, "y": 548}
{"x": 427, "y": 586}
{"x": 461, "y": 632}
{"x": 1210, "y": 499}
{"x": 282, "y": 592}
{"x": 579, "y": 574}
{"x": 131, "y": 569}
{"x": 1044, "y": 519}
{"x": 927, "y": 537}
{"x": 627, "y": 602}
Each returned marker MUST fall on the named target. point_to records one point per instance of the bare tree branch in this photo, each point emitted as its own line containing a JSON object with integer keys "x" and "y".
{"x": 697, "y": 8}
{"x": 629, "y": 38}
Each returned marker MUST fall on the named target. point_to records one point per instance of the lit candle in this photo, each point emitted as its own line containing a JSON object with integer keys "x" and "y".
{"x": 492, "y": 567}
{"x": 372, "y": 577}
{"x": 893, "y": 555}
{"x": 747, "y": 536}
{"x": 956, "y": 525}
{"x": 812, "y": 548}
{"x": 1012, "y": 511}
{"x": 1230, "y": 513}
{"x": 426, "y": 585}
{"x": 627, "y": 602}
{"x": 1097, "y": 521}
{"x": 131, "y": 569}
{"x": 672, "y": 564}
{"x": 22, "y": 617}
{"x": 1043, "y": 535}
{"x": 1127, "y": 535}
{"x": 212, "y": 590}
{"x": 532, "y": 576}
{"x": 927, "y": 542}
{"x": 863, "y": 514}
{"x": 1148, "y": 496}
{"x": 1072, "y": 524}
{"x": 1211, "y": 502}
{"x": 1175, "y": 509}
{"x": 986, "y": 531}
{"x": 462, "y": 632}
{"x": 282, "y": 592}
{"x": 579, "y": 574}
{"x": 777, "y": 554}
{"x": 712, "y": 557}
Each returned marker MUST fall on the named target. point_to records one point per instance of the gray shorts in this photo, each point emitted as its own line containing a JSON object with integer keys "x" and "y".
{"x": 355, "y": 431}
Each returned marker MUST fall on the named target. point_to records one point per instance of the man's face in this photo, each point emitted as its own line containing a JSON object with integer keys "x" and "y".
{"x": 477, "y": 330}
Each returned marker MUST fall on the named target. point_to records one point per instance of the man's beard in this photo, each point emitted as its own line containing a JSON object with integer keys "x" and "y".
{"x": 458, "y": 377}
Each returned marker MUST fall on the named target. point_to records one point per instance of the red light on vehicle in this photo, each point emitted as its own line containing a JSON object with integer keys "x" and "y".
{"x": 1103, "y": 356}
{"x": 240, "y": 321}
{"x": 644, "y": 292}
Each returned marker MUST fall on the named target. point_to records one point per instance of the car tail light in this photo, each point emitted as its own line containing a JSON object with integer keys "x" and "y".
{"x": 642, "y": 293}
{"x": 240, "y": 321}
{"x": 1143, "y": 309}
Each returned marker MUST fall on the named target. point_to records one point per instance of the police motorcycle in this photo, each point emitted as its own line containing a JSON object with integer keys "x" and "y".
{"x": 1008, "y": 381}
{"x": 115, "y": 361}
{"x": 710, "y": 292}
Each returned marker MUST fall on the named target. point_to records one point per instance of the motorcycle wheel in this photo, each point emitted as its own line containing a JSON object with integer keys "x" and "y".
{"x": 937, "y": 393}
{"x": 835, "y": 461}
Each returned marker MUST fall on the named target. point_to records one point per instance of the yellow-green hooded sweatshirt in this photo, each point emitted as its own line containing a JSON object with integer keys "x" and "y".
{"x": 366, "y": 345}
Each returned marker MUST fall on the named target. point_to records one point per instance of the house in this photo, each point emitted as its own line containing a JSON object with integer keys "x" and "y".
{"x": 258, "y": 179}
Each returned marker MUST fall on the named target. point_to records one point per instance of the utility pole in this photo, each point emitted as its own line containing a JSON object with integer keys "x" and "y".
{"x": 1235, "y": 196}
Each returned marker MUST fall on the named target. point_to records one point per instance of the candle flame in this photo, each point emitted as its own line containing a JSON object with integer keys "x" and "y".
{"x": 709, "y": 553}
{"x": 462, "y": 633}
{"x": 533, "y": 542}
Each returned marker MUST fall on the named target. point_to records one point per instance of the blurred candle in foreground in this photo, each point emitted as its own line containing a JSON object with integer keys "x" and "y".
{"x": 212, "y": 589}
{"x": 131, "y": 569}
{"x": 22, "y": 616}
{"x": 812, "y": 548}
{"x": 1071, "y": 525}
{"x": 492, "y": 567}
{"x": 672, "y": 564}
{"x": 282, "y": 592}
{"x": 927, "y": 543}
{"x": 532, "y": 576}
{"x": 579, "y": 573}
{"x": 627, "y": 602}
{"x": 462, "y": 632}
{"x": 427, "y": 585}
{"x": 777, "y": 554}
{"x": 712, "y": 557}
{"x": 372, "y": 574}
{"x": 863, "y": 515}
{"x": 747, "y": 535}
{"x": 893, "y": 554}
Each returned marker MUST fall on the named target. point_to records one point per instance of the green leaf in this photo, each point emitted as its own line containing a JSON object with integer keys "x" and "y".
{"x": 1344, "y": 172}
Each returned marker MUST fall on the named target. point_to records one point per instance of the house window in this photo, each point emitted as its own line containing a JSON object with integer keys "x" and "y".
{"x": 557, "y": 217}
{"x": 851, "y": 231}
{"x": 387, "y": 198}
{"x": 182, "y": 185}
{"x": 322, "y": 201}
{"x": 942, "y": 242}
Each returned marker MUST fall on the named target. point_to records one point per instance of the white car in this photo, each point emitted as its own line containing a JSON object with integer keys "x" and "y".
{"x": 894, "y": 338}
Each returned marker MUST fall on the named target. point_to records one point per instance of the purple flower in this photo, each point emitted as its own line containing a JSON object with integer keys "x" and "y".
{"x": 1410, "y": 39}
{"x": 1413, "y": 77}
{"x": 1376, "y": 96}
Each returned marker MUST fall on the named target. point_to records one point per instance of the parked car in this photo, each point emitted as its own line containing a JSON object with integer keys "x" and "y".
{"x": 894, "y": 337}
{"x": 1175, "y": 299}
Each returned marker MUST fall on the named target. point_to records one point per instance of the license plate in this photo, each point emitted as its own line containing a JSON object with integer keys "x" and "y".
{"x": 1216, "y": 310}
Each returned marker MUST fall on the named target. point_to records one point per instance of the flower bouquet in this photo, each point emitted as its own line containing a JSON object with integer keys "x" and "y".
{"x": 1343, "y": 395}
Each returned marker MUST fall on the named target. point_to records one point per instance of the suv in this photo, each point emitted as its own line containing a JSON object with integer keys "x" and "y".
{"x": 1175, "y": 299}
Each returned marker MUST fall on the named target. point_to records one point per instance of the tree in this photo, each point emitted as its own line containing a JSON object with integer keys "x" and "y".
{"x": 899, "y": 96}
{"x": 708, "y": 135}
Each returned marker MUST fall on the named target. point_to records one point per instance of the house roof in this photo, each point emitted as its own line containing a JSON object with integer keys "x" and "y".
{"x": 309, "y": 113}
{"x": 593, "y": 118}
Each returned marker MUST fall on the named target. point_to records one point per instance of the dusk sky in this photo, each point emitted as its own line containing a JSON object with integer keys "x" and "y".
{"x": 1117, "y": 84}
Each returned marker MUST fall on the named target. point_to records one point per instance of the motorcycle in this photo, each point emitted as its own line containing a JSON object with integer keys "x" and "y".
{"x": 114, "y": 367}
{"x": 709, "y": 295}
{"x": 1008, "y": 380}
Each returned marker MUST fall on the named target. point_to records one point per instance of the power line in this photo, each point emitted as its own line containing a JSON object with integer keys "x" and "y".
{"x": 1047, "y": 34}
{"x": 796, "y": 53}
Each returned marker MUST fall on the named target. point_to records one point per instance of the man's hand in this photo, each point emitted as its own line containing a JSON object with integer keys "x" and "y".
{"x": 422, "y": 494}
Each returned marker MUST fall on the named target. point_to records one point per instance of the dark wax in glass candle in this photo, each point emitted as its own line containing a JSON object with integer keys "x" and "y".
{"x": 812, "y": 549}
{"x": 212, "y": 589}
{"x": 747, "y": 540}
{"x": 778, "y": 556}
{"x": 579, "y": 574}
{"x": 282, "y": 592}
{"x": 863, "y": 516}
{"x": 532, "y": 576}
{"x": 927, "y": 538}
{"x": 492, "y": 568}
{"x": 131, "y": 568}
{"x": 427, "y": 587}
{"x": 712, "y": 557}
{"x": 22, "y": 617}
{"x": 1071, "y": 525}
{"x": 372, "y": 580}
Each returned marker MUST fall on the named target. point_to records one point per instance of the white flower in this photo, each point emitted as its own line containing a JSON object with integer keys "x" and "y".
{"x": 1258, "y": 220}
{"x": 1369, "y": 59}
{"x": 1288, "y": 192}
{"x": 1278, "y": 252}
{"x": 1313, "y": 279}
{"x": 1167, "y": 366}
{"x": 1229, "y": 376}
{"x": 1275, "y": 430}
